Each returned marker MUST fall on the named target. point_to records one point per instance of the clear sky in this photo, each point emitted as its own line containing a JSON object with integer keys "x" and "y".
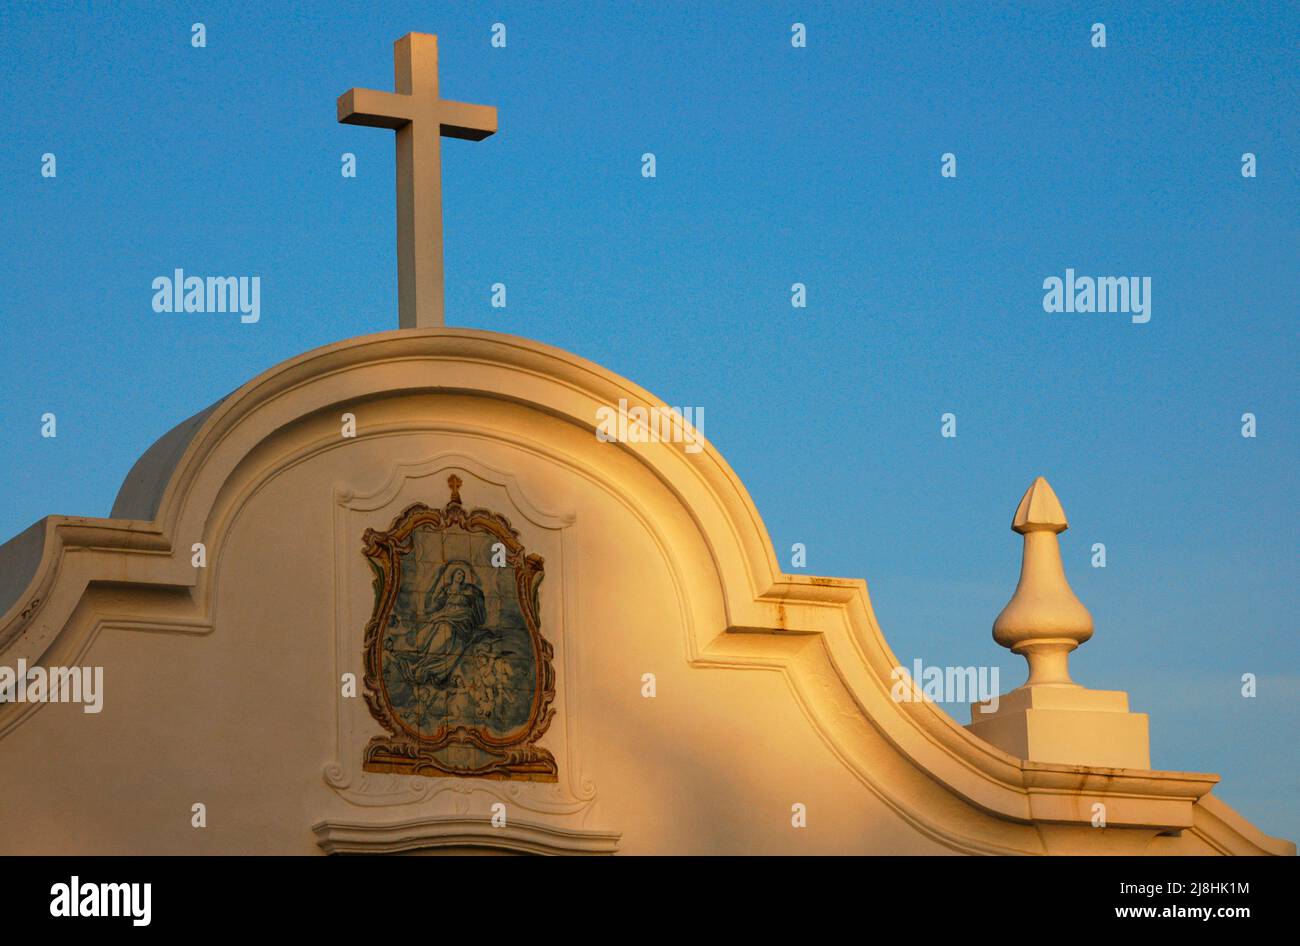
{"x": 775, "y": 165}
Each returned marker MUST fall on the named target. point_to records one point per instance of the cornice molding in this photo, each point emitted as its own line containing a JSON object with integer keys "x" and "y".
{"x": 426, "y": 834}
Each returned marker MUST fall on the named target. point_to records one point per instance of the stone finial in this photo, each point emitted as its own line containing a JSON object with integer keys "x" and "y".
{"x": 1050, "y": 718}
{"x": 1043, "y": 621}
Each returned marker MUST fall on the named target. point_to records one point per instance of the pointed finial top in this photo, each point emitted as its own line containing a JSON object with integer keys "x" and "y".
{"x": 1039, "y": 510}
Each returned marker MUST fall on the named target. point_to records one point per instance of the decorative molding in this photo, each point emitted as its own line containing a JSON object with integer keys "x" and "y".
{"x": 522, "y": 837}
{"x": 385, "y": 492}
{"x": 575, "y": 792}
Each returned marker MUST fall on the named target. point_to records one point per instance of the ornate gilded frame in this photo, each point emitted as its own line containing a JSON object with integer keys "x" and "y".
{"x": 406, "y": 751}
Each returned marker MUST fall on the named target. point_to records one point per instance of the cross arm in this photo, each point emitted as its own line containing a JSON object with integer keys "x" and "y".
{"x": 377, "y": 109}
{"x": 462, "y": 120}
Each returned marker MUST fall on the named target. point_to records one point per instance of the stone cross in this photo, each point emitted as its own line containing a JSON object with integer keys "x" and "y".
{"x": 420, "y": 119}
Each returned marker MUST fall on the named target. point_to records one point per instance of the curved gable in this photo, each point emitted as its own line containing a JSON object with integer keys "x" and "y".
{"x": 517, "y": 420}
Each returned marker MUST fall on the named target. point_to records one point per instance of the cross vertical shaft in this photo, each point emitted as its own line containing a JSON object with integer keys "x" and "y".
{"x": 419, "y": 195}
{"x": 420, "y": 119}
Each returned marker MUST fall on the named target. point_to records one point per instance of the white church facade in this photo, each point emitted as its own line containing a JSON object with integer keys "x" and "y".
{"x": 396, "y": 594}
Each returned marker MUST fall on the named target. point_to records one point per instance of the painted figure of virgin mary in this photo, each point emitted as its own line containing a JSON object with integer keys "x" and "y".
{"x": 451, "y": 628}
{"x": 457, "y": 670}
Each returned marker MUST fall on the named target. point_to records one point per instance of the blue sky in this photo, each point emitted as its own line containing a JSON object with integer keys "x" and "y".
{"x": 775, "y": 165}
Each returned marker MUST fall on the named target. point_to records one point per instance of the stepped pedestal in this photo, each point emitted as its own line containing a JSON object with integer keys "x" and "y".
{"x": 1071, "y": 725}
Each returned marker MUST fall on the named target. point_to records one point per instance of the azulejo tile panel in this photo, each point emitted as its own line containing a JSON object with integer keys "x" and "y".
{"x": 457, "y": 670}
